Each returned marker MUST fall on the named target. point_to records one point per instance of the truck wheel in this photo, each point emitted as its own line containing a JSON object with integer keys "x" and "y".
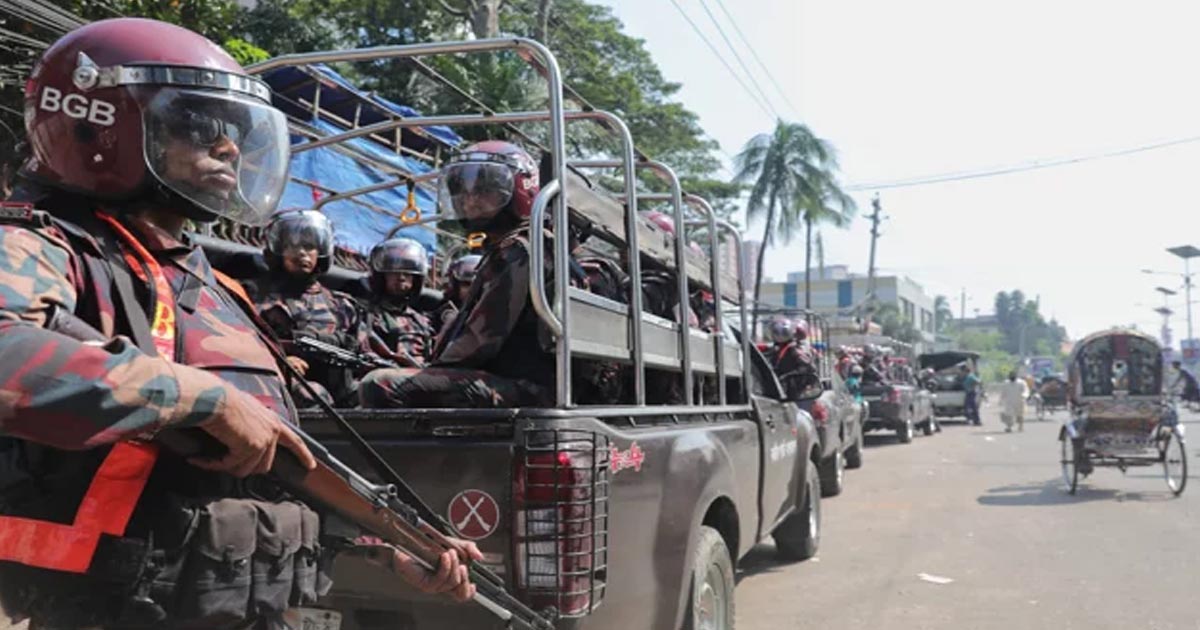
{"x": 833, "y": 474}
{"x": 799, "y": 535}
{"x": 712, "y": 584}
{"x": 905, "y": 433}
{"x": 854, "y": 453}
{"x": 929, "y": 426}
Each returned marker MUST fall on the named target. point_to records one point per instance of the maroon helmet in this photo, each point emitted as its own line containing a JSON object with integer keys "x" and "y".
{"x": 660, "y": 220}
{"x": 485, "y": 179}
{"x": 121, "y": 108}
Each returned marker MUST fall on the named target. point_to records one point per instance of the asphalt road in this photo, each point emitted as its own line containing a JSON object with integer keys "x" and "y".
{"x": 987, "y": 510}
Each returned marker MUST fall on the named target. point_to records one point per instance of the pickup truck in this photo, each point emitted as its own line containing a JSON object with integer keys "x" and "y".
{"x": 612, "y": 515}
{"x": 900, "y": 407}
{"x": 946, "y": 384}
{"x": 646, "y": 510}
{"x": 839, "y": 422}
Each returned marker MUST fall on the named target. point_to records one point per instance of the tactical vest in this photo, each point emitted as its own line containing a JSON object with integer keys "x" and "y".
{"x": 141, "y": 570}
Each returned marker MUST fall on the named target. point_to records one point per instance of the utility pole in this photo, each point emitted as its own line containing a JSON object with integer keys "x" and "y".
{"x": 962, "y": 305}
{"x": 871, "y": 264}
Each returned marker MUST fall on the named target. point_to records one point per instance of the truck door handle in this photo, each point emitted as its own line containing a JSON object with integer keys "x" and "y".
{"x": 770, "y": 422}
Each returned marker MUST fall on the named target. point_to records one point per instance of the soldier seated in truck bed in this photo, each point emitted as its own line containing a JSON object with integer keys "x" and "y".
{"x": 495, "y": 352}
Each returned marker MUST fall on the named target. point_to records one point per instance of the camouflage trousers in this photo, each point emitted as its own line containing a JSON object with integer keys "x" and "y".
{"x": 439, "y": 387}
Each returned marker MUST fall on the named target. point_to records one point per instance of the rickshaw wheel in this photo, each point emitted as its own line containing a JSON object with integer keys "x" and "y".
{"x": 1070, "y": 470}
{"x": 1173, "y": 454}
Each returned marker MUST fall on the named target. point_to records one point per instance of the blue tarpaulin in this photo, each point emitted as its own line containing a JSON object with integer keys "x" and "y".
{"x": 357, "y": 227}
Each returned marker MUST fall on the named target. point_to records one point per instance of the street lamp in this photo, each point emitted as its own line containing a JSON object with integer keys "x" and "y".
{"x": 1187, "y": 253}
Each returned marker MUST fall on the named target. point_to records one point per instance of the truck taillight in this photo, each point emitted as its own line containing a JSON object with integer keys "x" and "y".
{"x": 560, "y": 501}
{"x": 893, "y": 396}
{"x": 819, "y": 413}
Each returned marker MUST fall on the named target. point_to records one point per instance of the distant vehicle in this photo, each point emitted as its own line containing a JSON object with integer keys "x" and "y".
{"x": 946, "y": 384}
{"x": 1122, "y": 416}
{"x": 900, "y": 405}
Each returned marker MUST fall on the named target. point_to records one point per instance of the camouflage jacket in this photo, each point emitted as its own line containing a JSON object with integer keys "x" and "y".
{"x": 293, "y": 309}
{"x": 58, "y": 391}
{"x": 403, "y": 330}
{"x": 497, "y": 329}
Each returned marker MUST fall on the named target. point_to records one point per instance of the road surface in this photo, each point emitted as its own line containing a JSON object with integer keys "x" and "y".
{"x": 986, "y": 509}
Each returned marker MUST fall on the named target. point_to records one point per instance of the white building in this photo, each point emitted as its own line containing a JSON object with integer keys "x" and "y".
{"x": 839, "y": 292}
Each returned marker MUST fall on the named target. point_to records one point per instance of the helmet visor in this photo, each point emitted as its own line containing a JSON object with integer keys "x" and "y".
{"x": 226, "y": 153}
{"x": 781, "y": 331}
{"x": 399, "y": 256}
{"x": 463, "y": 269}
{"x": 293, "y": 231}
{"x": 472, "y": 191}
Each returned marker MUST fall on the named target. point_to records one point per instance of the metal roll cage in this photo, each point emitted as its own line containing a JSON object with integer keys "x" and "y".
{"x": 555, "y": 313}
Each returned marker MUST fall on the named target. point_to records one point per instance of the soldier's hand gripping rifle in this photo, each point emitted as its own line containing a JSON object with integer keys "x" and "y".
{"x": 391, "y": 510}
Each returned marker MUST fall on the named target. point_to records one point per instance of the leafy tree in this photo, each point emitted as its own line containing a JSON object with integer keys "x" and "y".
{"x": 943, "y": 314}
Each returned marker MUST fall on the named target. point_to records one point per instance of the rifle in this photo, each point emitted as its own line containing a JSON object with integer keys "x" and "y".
{"x": 341, "y": 357}
{"x": 379, "y": 509}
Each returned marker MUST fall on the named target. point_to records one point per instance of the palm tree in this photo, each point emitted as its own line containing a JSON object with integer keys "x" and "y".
{"x": 788, "y": 169}
{"x": 833, "y": 207}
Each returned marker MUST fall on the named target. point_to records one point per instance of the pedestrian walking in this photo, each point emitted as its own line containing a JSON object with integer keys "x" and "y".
{"x": 1013, "y": 394}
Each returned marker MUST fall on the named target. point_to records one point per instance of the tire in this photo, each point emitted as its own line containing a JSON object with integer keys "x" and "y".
{"x": 711, "y": 602}
{"x": 854, "y": 454}
{"x": 1174, "y": 460}
{"x": 905, "y": 433}
{"x": 928, "y": 427}
{"x": 1070, "y": 469}
{"x": 833, "y": 474}
{"x": 799, "y": 536}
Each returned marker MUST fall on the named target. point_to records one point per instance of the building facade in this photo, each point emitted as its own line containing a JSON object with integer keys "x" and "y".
{"x": 836, "y": 291}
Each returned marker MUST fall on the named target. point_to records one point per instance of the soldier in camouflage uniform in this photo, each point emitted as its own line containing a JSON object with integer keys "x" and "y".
{"x": 496, "y": 352}
{"x": 792, "y": 364}
{"x": 99, "y": 527}
{"x": 459, "y": 276}
{"x": 398, "y": 331}
{"x": 292, "y": 300}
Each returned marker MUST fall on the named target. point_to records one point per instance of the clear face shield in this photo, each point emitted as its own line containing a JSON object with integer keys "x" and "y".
{"x": 476, "y": 187}
{"x": 223, "y": 151}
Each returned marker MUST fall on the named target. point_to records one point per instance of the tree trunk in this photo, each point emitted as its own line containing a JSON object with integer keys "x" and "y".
{"x": 543, "y": 20}
{"x": 762, "y": 255}
{"x": 485, "y": 21}
{"x": 807, "y": 263}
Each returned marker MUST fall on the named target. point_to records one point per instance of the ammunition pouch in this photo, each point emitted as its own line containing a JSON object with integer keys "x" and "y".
{"x": 206, "y": 564}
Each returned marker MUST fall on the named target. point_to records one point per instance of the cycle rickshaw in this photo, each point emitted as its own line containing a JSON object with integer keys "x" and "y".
{"x": 1121, "y": 415}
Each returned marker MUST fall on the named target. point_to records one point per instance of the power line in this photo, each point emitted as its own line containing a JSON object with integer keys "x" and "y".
{"x": 738, "y": 57}
{"x": 714, "y": 50}
{"x": 1018, "y": 168}
{"x": 746, "y": 41}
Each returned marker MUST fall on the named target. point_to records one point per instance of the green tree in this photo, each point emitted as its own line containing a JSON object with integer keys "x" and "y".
{"x": 790, "y": 172}
{"x": 943, "y": 314}
{"x": 894, "y": 325}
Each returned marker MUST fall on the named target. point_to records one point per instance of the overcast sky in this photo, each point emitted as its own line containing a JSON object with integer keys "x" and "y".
{"x": 933, "y": 86}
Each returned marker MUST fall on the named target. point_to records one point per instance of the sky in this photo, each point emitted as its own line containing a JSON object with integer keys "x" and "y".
{"x": 925, "y": 87}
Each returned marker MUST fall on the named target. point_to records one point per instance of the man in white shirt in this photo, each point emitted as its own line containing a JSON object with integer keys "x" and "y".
{"x": 1013, "y": 394}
